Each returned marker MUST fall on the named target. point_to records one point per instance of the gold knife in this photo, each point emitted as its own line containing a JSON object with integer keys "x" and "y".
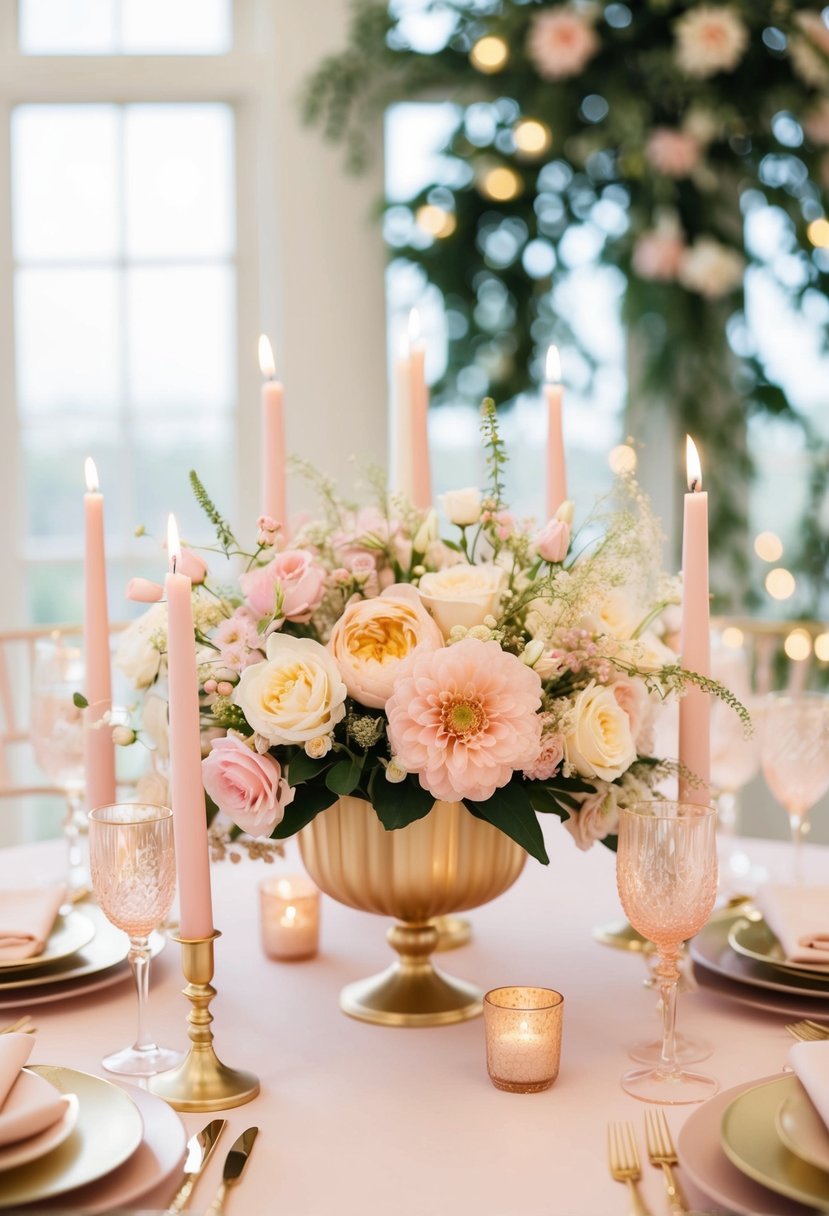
{"x": 199, "y": 1148}
{"x": 234, "y": 1168}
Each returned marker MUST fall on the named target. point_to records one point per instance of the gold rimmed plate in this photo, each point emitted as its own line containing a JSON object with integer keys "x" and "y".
{"x": 754, "y": 939}
{"x": 712, "y": 951}
{"x": 34, "y": 1147}
{"x": 108, "y": 1132}
{"x": 751, "y": 1143}
{"x": 802, "y": 1130}
{"x": 71, "y": 932}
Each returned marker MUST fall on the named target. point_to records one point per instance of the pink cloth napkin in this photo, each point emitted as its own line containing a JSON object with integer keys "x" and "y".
{"x": 810, "y": 1062}
{"x": 799, "y": 917}
{"x": 26, "y": 920}
{"x": 28, "y": 1103}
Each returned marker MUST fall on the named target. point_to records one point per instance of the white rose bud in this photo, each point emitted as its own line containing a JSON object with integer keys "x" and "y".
{"x": 532, "y": 652}
{"x": 462, "y": 507}
{"x": 565, "y": 511}
{"x": 319, "y": 747}
{"x": 395, "y": 772}
{"x": 426, "y": 533}
{"x": 123, "y": 736}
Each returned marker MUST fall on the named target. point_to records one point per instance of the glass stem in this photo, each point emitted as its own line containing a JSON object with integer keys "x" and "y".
{"x": 668, "y": 972}
{"x": 796, "y": 825}
{"x": 140, "y": 964}
{"x": 727, "y": 814}
{"x": 72, "y": 836}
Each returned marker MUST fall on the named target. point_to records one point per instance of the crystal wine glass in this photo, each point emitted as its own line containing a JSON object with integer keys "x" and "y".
{"x": 57, "y": 734}
{"x": 735, "y": 760}
{"x": 133, "y": 875}
{"x": 795, "y": 757}
{"x": 666, "y": 870}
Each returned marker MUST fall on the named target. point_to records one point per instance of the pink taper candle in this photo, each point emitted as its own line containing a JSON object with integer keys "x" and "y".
{"x": 187, "y": 791}
{"x": 411, "y": 467}
{"x": 695, "y": 646}
{"x": 273, "y": 438}
{"x": 99, "y": 753}
{"x": 556, "y": 464}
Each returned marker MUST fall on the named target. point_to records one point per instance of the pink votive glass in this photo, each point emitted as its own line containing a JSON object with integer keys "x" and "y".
{"x": 290, "y": 913}
{"x": 523, "y": 1038}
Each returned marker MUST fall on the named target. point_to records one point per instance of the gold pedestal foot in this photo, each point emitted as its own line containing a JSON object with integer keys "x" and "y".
{"x": 412, "y": 992}
{"x": 202, "y": 1082}
{"x": 622, "y": 936}
{"x": 453, "y": 932}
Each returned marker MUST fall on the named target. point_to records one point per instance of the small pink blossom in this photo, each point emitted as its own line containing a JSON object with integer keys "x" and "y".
{"x": 363, "y": 564}
{"x": 658, "y": 253}
{"x": 268, "y": 530}
{"x": 632, "y": 695}
{"x": 341, "y": 575}
{"x": 553, "y": 541}
{"x": 192, "y": 565}
{"x": 597, "y": 818}
{"x": 561, "y": 43}
{"x": 143, "y": 591}
{"x": 240, "y": 628}
{"x": 504, "y": 524}
{"x": 674, "y": 153}
{"x": 246, "y": 786}
{"x": 210, "y": 686}
{"x": 464, "y": 718}
{"x": 300, "y": 580}
{"x": 550, "y": 755}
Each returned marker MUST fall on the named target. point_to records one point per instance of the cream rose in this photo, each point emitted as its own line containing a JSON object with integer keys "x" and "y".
{"x": 155, "y": 723}
{"x": 619, "y": 614}
{"x": 372, "y": 637}
{"x": 295, "y": 694}
{"x": 462, "y": 507}
{"x": 600, "y": 742}
{"x": 462, "y": 595}
{"x": 140, "y": 647}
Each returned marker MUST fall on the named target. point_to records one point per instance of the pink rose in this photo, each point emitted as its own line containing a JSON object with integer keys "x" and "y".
{"x": 298, "y": 578}
{"x": 192, "y": 565}
{"x": 598, "y": 817}
{"x": 550, "y": 756}
{"x": 657, "y": 255}
{"x": 632, "y": 696}
{"x": 553, "y": 541}
{"x": 674, "y": 153}
{"x": 246, "y": 786}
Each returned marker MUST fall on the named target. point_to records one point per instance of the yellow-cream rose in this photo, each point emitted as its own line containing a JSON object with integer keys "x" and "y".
{"x": 462, "y": 595}
{"x": 295, "y": 694}
{"x": 600, "y": 742}
{"x": 373, "y": 636}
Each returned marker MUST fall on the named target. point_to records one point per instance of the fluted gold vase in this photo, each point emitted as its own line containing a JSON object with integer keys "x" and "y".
{"x": 448, "y": 861}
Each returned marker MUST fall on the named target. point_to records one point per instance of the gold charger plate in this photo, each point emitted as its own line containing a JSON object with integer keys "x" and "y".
{"x": 71, "y": 932}
{"x": 108, "y": 1132}
{"x": 750, "y": 1141}
{"x": 754, "y": 939}
{"x": 802, "y": 1130}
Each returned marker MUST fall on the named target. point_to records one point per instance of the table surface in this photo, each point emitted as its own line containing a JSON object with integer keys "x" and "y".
{"x": 359, "y": 1119}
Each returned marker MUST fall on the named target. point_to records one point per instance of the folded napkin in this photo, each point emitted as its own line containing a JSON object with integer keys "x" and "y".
{"x": 26, "y": 920}
{"x": 799, "y": 917}
{"x": 810, "y": 1062}
{"x": 28, "y": 1103}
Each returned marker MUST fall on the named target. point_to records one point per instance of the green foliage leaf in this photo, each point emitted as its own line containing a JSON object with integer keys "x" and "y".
{"x": 79, "y": 700}
{"x": 344, "y": 777}
{"x": 309, "y": 801}
{"x": 302, "y": 767}
{"x": 398, "y": 803}
{"x": 510, "y": 810}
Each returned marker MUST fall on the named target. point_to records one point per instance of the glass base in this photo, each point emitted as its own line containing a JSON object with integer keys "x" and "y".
{"x": 521, "y": 1087}
{"x": 688, "y": 1050}
{"x": 674, "y": 1089}
{"x": 132, "y": 1062}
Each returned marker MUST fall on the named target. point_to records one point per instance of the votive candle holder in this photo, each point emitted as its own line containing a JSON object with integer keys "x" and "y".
{"x": 523, "y": 1038}
{"x": 290, "y": 917}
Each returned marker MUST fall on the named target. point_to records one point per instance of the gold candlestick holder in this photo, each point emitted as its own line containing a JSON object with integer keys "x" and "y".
{"x": 202, "y": 1082}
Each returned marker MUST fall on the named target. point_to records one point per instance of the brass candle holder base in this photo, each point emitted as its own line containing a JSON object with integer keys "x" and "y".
{"x": 453, "y": 932}
{"x": 202, "y": 1082}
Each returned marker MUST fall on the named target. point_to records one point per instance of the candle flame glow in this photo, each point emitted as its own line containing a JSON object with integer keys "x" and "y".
{"x": 173, "y": 542}
{"x": 414, "y": 327}
{"x": 552, "y": 373}
{"x": 284, "y": 889}
{"x": 692, "y": 465}
{"x": 266, "y": 363}
{"x": 91, "y": 475}
{"x": 289, "y": 915}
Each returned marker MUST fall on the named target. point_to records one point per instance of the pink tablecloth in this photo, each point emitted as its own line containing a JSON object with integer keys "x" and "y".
{"x": 362, "y": 1121}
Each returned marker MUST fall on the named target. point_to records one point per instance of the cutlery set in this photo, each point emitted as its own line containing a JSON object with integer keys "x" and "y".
{"x": 199, "y": 1150}
{"x": 623, "y": 1161}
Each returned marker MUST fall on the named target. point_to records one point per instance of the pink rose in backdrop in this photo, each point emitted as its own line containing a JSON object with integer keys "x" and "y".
{"x": 553, "y": 541}
{"x": 561, "y": 43}
{"x": 658, "y": 253}
{"x": 299, "y": 578}
{"x": 597, "y": 818}
{"x": 550, "y": 756}
{"x": 674, "y": 153}
{"x": 632, "y": 696}
{"x": 464, "y": 718}
{"x": 246, "y": 786}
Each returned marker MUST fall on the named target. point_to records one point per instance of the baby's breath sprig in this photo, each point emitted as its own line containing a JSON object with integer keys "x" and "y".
{"x": 224, "y": 532}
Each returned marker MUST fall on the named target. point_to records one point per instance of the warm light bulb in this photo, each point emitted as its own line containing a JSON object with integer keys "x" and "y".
{"x": 818, "y": 233}
{"x": 692, "y": 465}
{"x": 289, "y": 915}
{"x": 780, "y": 583}
{"x": 732, "y": 637}
{"x": 173, "y": 542}
{"x": 489, "y": 54}
{"x": 768, "y": 546}
{"x": 266, "y": 363}
{"x": 501, "y": 184}
{"x": 798, "y": 645}
{"x": 532, "y": 137}
{"x": 552, "y": 367}
{"x": 822, "y": 647}
{"x": 284, "y": 889}
{"x": 622, "y": 459}
{"x": 91, "y": 475}
{"x": 435, "y": 221}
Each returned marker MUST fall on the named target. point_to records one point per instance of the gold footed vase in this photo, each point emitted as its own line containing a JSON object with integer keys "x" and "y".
{"x": 447, "y": 862}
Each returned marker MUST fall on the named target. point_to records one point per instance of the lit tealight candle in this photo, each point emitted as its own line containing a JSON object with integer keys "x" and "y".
{"x": 290, "y": 909}
{"x": 523, "y": 1037}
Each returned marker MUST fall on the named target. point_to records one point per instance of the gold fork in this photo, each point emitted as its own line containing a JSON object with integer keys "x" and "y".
{"x": 808, "y": 1031}
{"x": 19, "y": 1027}
{"x": 661, "y": 1152}
{"x": 623, "y": 1159}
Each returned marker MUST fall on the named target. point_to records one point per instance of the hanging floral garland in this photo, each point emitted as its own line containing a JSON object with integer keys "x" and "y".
{"x": 657, "y": 125}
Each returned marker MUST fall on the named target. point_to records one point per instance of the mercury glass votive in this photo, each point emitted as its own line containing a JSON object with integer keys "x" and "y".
{"x": 523, "y": 1038}
{"x": 290, "y": 914}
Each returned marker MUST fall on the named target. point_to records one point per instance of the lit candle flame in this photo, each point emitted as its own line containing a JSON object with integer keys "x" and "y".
{"x": 266, "y": 363}
{"x": 91, "y": 475}
{"x": 289, "y": 916}
{"x": 284, "y": 888}
{"x": 692, "y": 465}
{"x": 552, "y": 372}
{"x": 173, "y": 542}
{"x": 414, "y": 327}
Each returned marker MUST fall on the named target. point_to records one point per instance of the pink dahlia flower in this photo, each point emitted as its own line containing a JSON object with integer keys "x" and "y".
{"x": 464, "y": 718}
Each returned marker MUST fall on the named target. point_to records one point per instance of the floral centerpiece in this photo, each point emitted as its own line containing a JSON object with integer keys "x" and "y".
{"x": 378, "y": 655}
